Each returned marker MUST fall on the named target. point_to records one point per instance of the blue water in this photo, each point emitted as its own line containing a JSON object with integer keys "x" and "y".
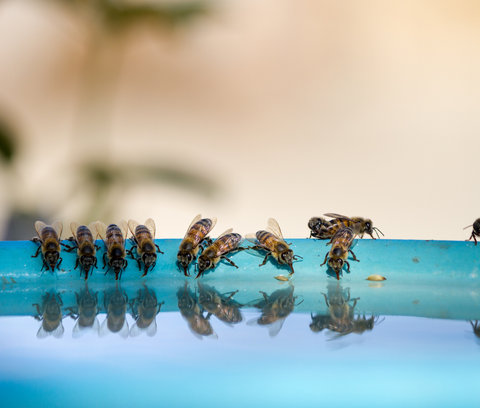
{"x": 402, "y": 361}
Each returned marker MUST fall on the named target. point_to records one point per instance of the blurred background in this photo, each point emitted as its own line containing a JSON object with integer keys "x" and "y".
{"x": 242, "y": 110}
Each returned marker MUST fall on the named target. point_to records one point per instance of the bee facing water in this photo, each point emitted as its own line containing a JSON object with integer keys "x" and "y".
{"x": 191, "y": 243}
{"x": 338, "y": 254}
{"x": 49, "y": 238}
{"x": 144, "y": 243}
{"x": 85, "y": 313}
{"x": 272, "y": 241}
{"x": 114, "y": 237}
{"x": 224, "y": 244}
{"x": 145, "y": 313}
{"x": 84, "y": 238}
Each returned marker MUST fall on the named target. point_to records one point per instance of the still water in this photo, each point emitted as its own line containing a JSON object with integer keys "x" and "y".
{"x": 117, "y": 347}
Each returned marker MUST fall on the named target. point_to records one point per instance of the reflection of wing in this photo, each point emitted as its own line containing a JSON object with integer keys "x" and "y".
{"x": 150, "y": 224}
{"x": 334, "y": 215}
{"x": 101, "y": 230}
{"x": 80, "y": 331}
{"x": 74, "y": 228}
{"x": 132, "y": 224}
{"x": 274, "y": 228}
{"x": 252, "y": 237}
{"x": 124, "y": 228}
{"x": 58, "y": 227}
{"x": 124, "y": 330}
{"x": 150, "y": 330}
{"x": 57, "y": 333}
{"x": 196, "y": 219}
{"x": 104, "y": 330}
{"x": 39, "y": 226}
{"x": 275, "y": 327}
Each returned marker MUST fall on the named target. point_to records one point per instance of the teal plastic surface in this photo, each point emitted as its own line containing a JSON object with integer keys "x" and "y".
{"x": 424, "y": 278}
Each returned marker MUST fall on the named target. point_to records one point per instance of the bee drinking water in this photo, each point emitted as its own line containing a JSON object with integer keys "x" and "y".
{"x": 49, "y": 238}
{"x": 114, "y": 237}
{"x": 144, "y": 243}
{"x": 338, "y": 254}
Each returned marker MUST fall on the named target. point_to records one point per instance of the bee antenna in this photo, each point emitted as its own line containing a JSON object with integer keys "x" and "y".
{"x": 377, "y": 231}
{"x": 468, "y": 226}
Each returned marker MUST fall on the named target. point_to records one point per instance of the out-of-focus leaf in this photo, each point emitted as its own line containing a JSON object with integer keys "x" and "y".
{"x": 7, "y": 145}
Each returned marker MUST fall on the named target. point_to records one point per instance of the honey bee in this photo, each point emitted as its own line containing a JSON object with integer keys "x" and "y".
{"x": 320, "y": 322}
{"x": 317, "y": 226}
{"x": 84, "y": 237}
{"x": 224, "y": 244}
{"x": 341, "y": 313}
{"x": 191, "y": 243}
{"x": 145, "y": 313}
{"x": 144, "y": 243}
{"x": 358, "y": 224}
{"x": 50, "y": 315}
{"x": 86, "y": 312}
{"x": 223, "y": 308}
{"x": 49, "y": 238}
{"x": 192, "y": 312}
{"x": 475, "y": 230}
{"x": 272, "y": 241}
{"x": 116, "y": 305}
{"x": 363, "y": 324}
{"x": 275, "y": 309}
{"x": 338, "y": 254}
{"x": 114, "y": 237}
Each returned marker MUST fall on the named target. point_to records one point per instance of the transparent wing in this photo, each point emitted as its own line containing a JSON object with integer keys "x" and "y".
{"x": 132, "y": 224}
{"x": 150, "y": 224}
{"x": 104, "y": 330}
{"x": 335, "y": 215}
{"x": 58, "y": 227}
{"x": 74, "y": 228}
{"x": 93, "y": 229}
{"x": 274, "y": 228}
{"x": 57, "y": 333}
{"x": 196, "y": 219}
{"x": 152, "y": 329}
{"x": 230, "y": 243}
{"x": 275, "y": 327}
{"x": 124, "y": 228}
{"x": 101, "y": 230}
{"x": 252, "y": 237}
{"x": 123, "y": 333}
{"x": 225, "y": 233}
{"x": 39, "y": 226}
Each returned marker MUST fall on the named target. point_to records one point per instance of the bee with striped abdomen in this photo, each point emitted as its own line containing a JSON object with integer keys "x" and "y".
{"x": 191, "y": 243}
{"x": 338, "y": 254}
{"x": 144, "y": 243}
{"x": 84, "y": 237}
{"x": 475, "y": 230}
{"x": 224, "y": 244}
{"x": 358, "y": 224}
{"x": 114, "y": 237}
{"x": 49, "y": 238}
{"x": 272, "y": 241}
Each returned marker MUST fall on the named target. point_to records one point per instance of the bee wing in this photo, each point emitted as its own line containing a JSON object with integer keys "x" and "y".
{"x": 150, "y": 224}
{"x": 230, "y": 243}
{"x": 334, "y": 215}
{"x": 275, "y": 327}
{"x": 101, "y": 230}
{"x": 124, "y": 228}
{"x": 39, "y": 226}
{"x": 93, "y": 229}
{"x": 74, "y": 228}
{"x": 252, "y": 237}
{"x": 104, "y": 330}
{"x": 152, "y": 329}
{"x": 228, "y": 231}
{"x": 274, "y": 228}
{"x": 58, "y": 227}
{"x": 197, "y": 218}
{"x": 132, "y": 224}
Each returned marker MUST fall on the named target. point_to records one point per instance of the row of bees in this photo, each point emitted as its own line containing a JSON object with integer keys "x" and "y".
{"x": 340, "y": 230}
{"x": 196, "y": 310}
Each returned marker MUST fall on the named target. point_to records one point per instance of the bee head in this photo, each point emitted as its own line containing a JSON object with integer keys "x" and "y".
{"x": 476, "y": 225}
{"x": 286, "y": 257}
{"x": 87, "y": 261}
{"x": 204, "y": 263}
{"x": 149, "y": 260}
{"x": 118, "y": 265}
{"x": 315, "y": 223}
{"x": 52, "y": 257}
{"x": 336, "y": 264}
{"x": 184, "y": 258}
{"x": 368, "y": 226}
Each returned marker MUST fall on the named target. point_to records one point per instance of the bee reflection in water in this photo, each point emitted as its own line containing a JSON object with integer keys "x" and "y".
{"x": 85, "y": 313}
{"x": 145, "y": 312}
{"x": 116, "y": 305}
{"x": 221, "y": 306}
{"x": 275, "y": 309}
{"x": 192, "y": 311}
{"x": 341, "y": 317}
{"x": 50, "y": 314}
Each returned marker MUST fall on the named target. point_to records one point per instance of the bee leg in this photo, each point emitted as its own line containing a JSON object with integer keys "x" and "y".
{"x": 326, "y": 299}
{"x": 104, "y": 261}
{"x": 348, "y": 266}
{"x": 265, "y": 260}
{"x": 129, "y": 251}
{"x": 231, "y": 295}
{"x": 228, "y": 260}
{"x": 76, "y": 265}
{"x": 354, "y": 303}
{"x": 58, "y": 264}
{"x": 265, "y": 296}
{"x": 295, "y": 257}
{"x": 68, "y": 248}
{"x": 139, "y": 264}
{"x": 38, "y": 309}
{"x": 38, "y": 251}
{"x": 60, "y": 301}
{"x": 354, "y": 257}
{"x": 159, "y": 249}
{"x": 325, "y": 260}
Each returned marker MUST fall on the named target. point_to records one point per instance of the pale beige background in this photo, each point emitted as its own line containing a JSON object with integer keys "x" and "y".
{"x": 291, "y": 108}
